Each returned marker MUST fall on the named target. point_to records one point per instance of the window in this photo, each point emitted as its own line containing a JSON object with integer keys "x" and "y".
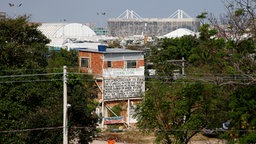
{"x": 85, "y": 62}
{"x": 131, "y": 64}
{"x": 109, "y": 64}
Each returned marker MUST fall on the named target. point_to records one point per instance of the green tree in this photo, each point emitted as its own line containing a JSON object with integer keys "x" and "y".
{"x": 237, "y": 27}
{"x": 31, "y": 98}
{"x": 81, "y": 95}
{"x": 242, "y": 114}
{"x": 195, "y": 102}
{"x": 188, "y": 113}
{"x": 23, "y": 52}
{"x": 22, "y": 45}
{"x": 219, "y": 65}
{"x": 57, "y": 59}
{"x": 171, "y": 49}
{"x": 154, "y": 113}
{"x": 181, "y": 109}
{"x": 175, "y": 48}
{"x": 210, "y": 53}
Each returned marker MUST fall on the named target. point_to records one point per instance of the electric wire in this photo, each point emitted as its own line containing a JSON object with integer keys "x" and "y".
{"x": 43, "y": 128}
{"x": 32, "y": 129}
{"x": 167, "y": 78}
{"x": 29, "y": 75}
{"x": 27, "y": 81}
{"x": 15, "y": 70}
{"x": 47, "y": 80}
{"x": 189, "y": 75}
{"x": 148, "y": 129}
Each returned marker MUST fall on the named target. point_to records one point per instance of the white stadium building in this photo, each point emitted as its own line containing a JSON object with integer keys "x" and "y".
{"x": 69, "y": 35}
{"x": 129, "y": 23}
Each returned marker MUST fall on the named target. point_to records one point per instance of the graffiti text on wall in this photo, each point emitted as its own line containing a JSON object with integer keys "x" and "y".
{"x": 122, "y": 88}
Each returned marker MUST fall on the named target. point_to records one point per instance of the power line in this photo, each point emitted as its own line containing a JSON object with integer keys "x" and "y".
{"x": 50, "y": 80}
{"x": 30, "y": 69}
{"x": 55, "y": 68}
{"x": 78, "y": 68}
{"x": 148, "y": 129}
{"x": 204, "y": 77}
{"x": 199, "y": 130}
{"x": 33, "y": 129}
{"x": 236, "y": 77}
{"x": 44, "y": 128}
{"x": 29, "y": 75}
{"x": 26, "y": 81}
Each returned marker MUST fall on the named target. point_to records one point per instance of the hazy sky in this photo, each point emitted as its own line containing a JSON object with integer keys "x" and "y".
{"x": 85, "y": 11}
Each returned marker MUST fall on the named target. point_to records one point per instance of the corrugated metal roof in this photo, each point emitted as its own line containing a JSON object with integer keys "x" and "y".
{"x": 111, "y": 50}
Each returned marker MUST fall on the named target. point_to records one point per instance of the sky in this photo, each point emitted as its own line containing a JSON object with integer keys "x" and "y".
{"x": 91, "y": 11}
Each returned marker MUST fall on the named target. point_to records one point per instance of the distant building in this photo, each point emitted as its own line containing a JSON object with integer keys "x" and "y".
{"x": 2, "y": 15}
{"x": 179, "y": 33}
{"x": 120, "y": 78}
{"x": 130, "y": 23}
{"x": 100, "y": 31}
{"x": 68, "y": 35}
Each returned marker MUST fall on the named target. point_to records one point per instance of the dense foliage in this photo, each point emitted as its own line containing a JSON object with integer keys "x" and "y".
{"x": 217, "y": 88}
{"x": 31, "y": 98}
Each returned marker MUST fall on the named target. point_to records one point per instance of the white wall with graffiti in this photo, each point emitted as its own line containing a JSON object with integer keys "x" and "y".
{"x": 124, "y": 88}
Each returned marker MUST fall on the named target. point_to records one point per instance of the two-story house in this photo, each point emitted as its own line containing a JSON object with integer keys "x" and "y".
{"x": 120, "y": 77}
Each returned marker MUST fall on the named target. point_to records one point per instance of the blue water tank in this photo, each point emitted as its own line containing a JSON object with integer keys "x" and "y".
{"x": 102, "y": 47}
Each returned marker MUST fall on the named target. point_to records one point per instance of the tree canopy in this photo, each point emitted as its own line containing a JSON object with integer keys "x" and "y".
{"x": 217, "y": 87}
{"x": 31, "y": 98}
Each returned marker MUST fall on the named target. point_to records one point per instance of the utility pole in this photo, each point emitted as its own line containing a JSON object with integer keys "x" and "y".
{"x": 128, "y": 113}
{"x": 102, "y": 105}
{"x": 65, "y": 108}
{"x": 183, "y": 64}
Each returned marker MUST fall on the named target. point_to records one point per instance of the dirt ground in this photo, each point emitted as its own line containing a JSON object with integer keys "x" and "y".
{"x": 136, "y": 137}
{"x": 126, "y": 137}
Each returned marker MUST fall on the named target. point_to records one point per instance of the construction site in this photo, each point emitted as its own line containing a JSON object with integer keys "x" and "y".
{"x": 130, "y": 23}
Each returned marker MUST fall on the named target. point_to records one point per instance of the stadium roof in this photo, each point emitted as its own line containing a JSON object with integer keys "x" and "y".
{"x": 58, "y": 33}
{"x": 179, "y": 33}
